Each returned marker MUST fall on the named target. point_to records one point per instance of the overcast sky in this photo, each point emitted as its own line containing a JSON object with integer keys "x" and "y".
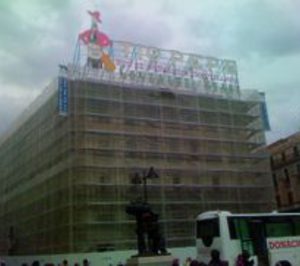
{"x": 263, "y": 36}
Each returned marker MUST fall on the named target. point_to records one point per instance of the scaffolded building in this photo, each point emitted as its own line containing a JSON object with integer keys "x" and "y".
{"x": 67, "y": 164}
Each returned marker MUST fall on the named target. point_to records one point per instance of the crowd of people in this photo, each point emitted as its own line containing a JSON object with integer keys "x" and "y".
{"x": 242, "y": 260}
{"x": 215, "y": 260}
{"x": 85, "y": 262}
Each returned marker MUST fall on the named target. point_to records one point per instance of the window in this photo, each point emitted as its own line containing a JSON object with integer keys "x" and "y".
{"x": 275, "y": 181}
{"x": 286, "y": 174}
{"x": 298, "y": 169}
{"x": 272, "y": 161}
{"x": 238, "y": 228}
{"x": 275, "y": 226}
{"x": 208, "y": 228}
{"x": 278, "y": 200}
{"x": 176, "y": 180}
{"x": 296, "y": 221}
{"x": 279, "y": 227}
{"x": 296, "y": 151}
{"x": 291, "y": 198}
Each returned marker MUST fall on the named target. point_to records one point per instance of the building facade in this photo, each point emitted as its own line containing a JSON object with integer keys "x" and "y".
{"x": 67, "y": 164}
{"x": 285, "y": 164}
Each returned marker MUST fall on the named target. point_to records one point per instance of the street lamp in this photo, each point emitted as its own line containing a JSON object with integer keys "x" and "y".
{"x": 146, "y": 220}
{"x": 138, "y": 179}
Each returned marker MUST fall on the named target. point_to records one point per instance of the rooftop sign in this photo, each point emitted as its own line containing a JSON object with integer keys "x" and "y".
{"x": 140, "y": 64}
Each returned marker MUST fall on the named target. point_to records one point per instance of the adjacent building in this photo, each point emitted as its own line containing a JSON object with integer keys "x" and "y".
{"x": 67, "y": 163}
{"x": 285, "y": 164}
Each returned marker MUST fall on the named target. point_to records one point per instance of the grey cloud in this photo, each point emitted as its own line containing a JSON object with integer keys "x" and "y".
{"x": 264, "y": 28}
{"x": 142, "y": 27}
{"x": 261, "y": 27}
{"x": 56, "y": 5}
{"x": 284, "y": 111}
{"x": 131, "y": 21}
{"x": 15, "y": 32}
{"x": 33, "y": 51}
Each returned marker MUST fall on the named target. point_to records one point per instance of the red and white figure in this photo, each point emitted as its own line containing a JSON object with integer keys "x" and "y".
{"x": 93, "y": 35}
{"x": 96, "y": 41}
{"x": 96, "y": 16}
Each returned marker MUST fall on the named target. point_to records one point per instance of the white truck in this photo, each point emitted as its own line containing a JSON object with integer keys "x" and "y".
{"x": 272, "y": 239}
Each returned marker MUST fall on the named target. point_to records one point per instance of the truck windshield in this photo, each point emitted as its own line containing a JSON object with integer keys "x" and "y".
{"x": 209, "y": 227}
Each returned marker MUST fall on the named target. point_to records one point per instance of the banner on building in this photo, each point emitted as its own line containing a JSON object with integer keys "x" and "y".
{"x": 63, "y": 100}
{"x": 264, "y": 116}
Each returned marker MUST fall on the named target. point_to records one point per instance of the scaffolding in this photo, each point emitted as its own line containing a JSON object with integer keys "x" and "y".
{"x": 66, "y": 179}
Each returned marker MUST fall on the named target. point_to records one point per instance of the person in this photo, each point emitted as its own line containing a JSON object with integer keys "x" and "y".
{"x": 244, "y": 259}
{"x": 239, "y": 260}
{"x": 202, "y": 264}
{"x": 215, "y": 259}
{"x": 85, "y": 262}
{"x": 175, "y": 262}
{"x": 155, "y": 238}
{"x": 36, "y": 263}
{"x": 246, "y": 256}
{"x": 194, "y": 263}
{"x": 188, "y": 261}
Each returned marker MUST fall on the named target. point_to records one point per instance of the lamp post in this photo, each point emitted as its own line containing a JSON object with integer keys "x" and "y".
{"x": 146, "y": 220}
{"x": 138, "y": 179}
